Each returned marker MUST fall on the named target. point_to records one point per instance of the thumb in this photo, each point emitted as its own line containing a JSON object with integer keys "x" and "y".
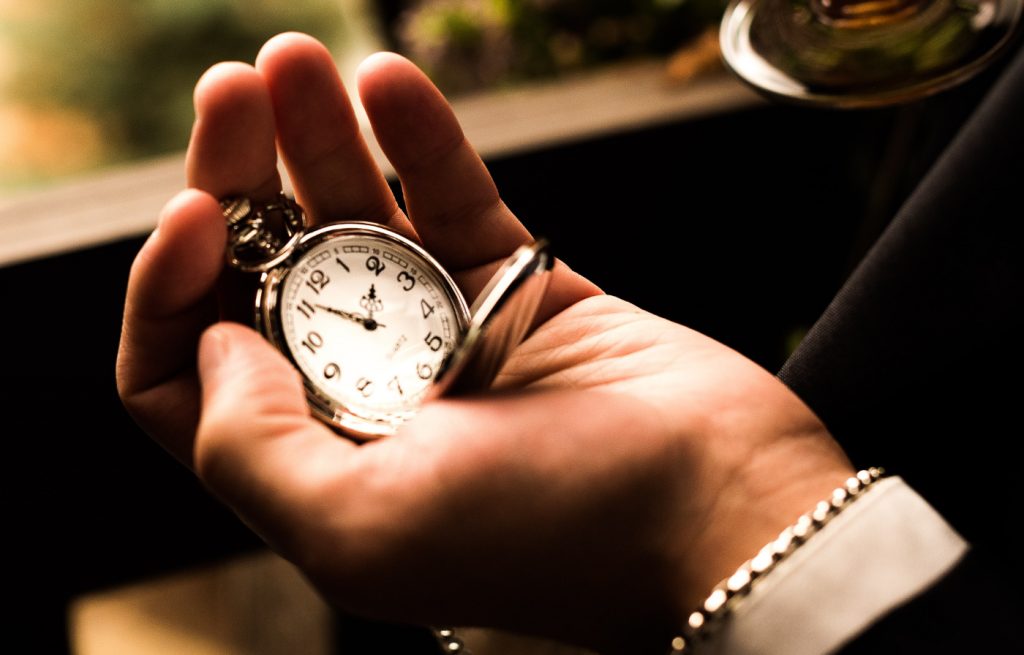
{"x": 236, "y": 363}
{"x": 255, "y": 429}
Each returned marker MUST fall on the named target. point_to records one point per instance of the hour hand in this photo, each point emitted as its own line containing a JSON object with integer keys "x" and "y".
{"x": 368, "y": 323}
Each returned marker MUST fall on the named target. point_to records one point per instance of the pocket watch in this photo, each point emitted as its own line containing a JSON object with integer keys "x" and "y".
{"x": 373, "y": 323}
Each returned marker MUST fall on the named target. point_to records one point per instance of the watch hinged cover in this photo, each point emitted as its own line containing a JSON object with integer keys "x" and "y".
{"x": 500, "y": 318}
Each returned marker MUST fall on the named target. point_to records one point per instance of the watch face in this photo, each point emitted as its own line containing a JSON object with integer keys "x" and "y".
{"x": 368, "y": 317}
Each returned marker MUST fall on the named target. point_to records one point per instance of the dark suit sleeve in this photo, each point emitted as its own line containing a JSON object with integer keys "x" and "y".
{"x": 917, "y": 365}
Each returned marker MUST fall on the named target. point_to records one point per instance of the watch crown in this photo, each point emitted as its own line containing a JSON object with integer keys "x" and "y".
{"x": 235, "y": 209}
{"x": 260, "y": 236}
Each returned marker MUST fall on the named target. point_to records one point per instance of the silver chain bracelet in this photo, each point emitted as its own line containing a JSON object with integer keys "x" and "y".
{"x": 450, "y": 642}
{"x": 703, "y": 621}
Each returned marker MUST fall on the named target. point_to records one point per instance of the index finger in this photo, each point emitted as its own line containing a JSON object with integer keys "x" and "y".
{"x": 232, "y": 150}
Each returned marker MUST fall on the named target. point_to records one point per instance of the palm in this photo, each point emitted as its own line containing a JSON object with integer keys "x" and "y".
{"x": 483, "y": 511}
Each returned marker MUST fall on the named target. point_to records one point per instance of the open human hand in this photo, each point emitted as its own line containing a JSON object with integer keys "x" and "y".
{"x": 620, "y": 467}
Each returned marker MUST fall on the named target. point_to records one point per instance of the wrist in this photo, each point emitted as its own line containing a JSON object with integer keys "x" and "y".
{"x": 709, "y": 616}
{"x": 760, "y": 498}
{"x": 878, "y": 554}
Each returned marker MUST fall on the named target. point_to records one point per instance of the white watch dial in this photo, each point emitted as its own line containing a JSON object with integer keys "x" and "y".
{"x": 368, "y": 321}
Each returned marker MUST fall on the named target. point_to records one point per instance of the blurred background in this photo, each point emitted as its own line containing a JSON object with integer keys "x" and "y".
{"x": 90, "y": 83}
{"x": 609, "y": 125}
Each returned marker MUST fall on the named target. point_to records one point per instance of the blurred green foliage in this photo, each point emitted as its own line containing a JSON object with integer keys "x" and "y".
{"x": 130, "y": 65}
{"x": 468, "y": 44}
{"x": 93, "y": 82}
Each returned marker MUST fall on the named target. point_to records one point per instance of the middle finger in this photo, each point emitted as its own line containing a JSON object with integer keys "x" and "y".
{"x": 333, "y": 172}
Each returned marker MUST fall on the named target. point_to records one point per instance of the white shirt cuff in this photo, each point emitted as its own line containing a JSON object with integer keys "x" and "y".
{"x": 882, "y": 550}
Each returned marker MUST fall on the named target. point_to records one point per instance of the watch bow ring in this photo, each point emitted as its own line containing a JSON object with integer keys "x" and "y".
{"x": 260, "y": 236}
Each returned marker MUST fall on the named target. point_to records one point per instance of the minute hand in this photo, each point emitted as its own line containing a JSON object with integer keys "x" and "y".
{"x": 368, "y": 323}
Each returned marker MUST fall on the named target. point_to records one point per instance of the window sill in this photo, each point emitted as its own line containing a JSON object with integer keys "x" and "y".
{"x": 122, "y": 203}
